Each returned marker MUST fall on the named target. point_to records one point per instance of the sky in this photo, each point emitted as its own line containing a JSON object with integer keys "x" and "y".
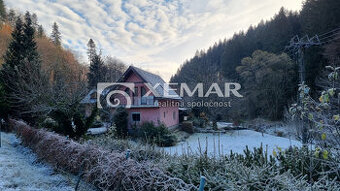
{"x": 156, "y": 35}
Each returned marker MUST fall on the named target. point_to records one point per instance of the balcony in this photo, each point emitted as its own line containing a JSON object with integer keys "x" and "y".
{"x": 147, "y": 101}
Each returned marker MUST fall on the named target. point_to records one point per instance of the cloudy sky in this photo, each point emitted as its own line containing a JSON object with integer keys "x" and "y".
{"x": 153, "y": 34}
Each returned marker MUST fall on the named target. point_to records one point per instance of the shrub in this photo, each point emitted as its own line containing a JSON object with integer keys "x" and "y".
{"x": 188, "y": 127}
{"x": 120, "y": 119}
{"x": 199, "y": 122}
{"x": 159, "y": 135}
{"x": 49, "y": 123}
{"x": 107, "y": 170}
{"x": 72, "y": 123}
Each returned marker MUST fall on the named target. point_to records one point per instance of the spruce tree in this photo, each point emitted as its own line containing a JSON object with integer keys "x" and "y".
{"x": 56, "y": 35}
{"x": 21, "y": 69}
{"x": 30, "y": 46}
{"x": 96, "y": 68}
{"x": 14, "y": 55}
{"x": 2, "y": 11}
{"x": 34, "y": 19}
{"x": 91, "y": 49}
{"x": 40, "y": 32}
{"x": 11, "y": 17}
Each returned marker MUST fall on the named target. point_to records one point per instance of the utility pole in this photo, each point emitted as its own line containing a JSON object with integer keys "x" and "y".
{"x": 298, "y": 46}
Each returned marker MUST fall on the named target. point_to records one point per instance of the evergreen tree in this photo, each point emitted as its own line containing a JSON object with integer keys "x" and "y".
{"x": 21, "y": 68}
{"x": 91, "y": 49}
{"x": 34, "y": 19}
{"x": 14, "y": 55}
{"x": 2, "y": 10}
{"x": 30, "y": 46}
{"x": 11, "y": 17}
{"x": 56, "y": 35}
{"x": 40, "y": 32}
{"x": 96, "y": 71}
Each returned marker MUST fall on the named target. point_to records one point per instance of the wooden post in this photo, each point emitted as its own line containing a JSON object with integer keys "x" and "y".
{"x": 202, "y": 184}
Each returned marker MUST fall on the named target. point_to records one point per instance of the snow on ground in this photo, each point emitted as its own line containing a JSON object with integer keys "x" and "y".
{"x": 19, "y": 169}
{"x": 220, "y": 144}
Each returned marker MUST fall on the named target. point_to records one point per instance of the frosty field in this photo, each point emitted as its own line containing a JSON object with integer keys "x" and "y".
{"x": 219, "y": 144}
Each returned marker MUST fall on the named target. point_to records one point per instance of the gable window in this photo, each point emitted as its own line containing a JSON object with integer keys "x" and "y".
{"x": 136, "y": 117}
{"x": 136, "y": 92}
{"x": 143, "y": 91}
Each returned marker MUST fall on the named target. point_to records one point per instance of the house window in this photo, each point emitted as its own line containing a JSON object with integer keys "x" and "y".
{"x": 174, "y": 115}
{"x": 136, "y": 92}
{"x": 135, "y": 117}
{"x": 164, "y": 114}
{"x": 143, "y": 91}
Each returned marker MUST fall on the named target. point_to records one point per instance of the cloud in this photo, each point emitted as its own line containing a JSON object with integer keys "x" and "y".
{"x": 156, "y": 35}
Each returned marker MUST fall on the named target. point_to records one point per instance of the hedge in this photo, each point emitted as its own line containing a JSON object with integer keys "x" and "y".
{"x": 105, "y": 169}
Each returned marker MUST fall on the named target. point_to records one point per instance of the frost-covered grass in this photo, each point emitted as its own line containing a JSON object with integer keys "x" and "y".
{"x": 20, "y": 169}
{"x": 249, "y": 170}
{"x": 149, "y": 169}
{"x": 236, "y": 141}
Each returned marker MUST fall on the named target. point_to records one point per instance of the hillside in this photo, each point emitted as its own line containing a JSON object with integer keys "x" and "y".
{"x": 220, "y": 61}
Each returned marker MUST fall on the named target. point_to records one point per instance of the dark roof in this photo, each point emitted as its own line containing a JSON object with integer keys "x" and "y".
{"x": 88, "y": 99}
{"x": 153, "y": 80}
{"x": 147, "y": 77}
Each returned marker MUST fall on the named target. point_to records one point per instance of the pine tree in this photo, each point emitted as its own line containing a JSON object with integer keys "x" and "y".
{"x": 2, "y": 10}
{"x": 96, "y": 68}
{"x": 91, "y": 49}
{"x": 40, "y": 32}
{"x": 56, "y": 35}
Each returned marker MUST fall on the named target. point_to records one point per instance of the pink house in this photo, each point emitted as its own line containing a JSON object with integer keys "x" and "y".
{"x": 151, "y": 100}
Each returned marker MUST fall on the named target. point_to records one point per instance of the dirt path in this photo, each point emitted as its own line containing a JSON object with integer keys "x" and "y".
{"x": 19, "y": 170}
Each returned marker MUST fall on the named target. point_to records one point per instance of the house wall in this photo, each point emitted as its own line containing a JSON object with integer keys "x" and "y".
{"x": 169, "y": 112}
{"x": 146, "y": 115}
{"x": 152, "y": 114}
{"x": 133, "y": 78}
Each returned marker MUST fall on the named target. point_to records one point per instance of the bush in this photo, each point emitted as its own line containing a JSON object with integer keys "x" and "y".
{"x": 188, "y": 127}
{"x": 107, "y": 170}
{"x": 49, "y": 123}
{"x": 120, "y": 119}
{"x": 159, "y": 135}
{"x": 198, "y": 122}
{"x": 72, "y": 123}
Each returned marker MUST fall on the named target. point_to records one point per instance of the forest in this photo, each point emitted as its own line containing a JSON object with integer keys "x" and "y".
{"x": 40, "y": 78}
{"x": 258, "y": 55}
{"x": 284, "y": 133}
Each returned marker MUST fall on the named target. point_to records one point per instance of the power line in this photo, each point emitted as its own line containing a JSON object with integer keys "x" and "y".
{"x": 331, "y": 40}
{"x": 329, "y": 36}
{"x": 329, "y": 32}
